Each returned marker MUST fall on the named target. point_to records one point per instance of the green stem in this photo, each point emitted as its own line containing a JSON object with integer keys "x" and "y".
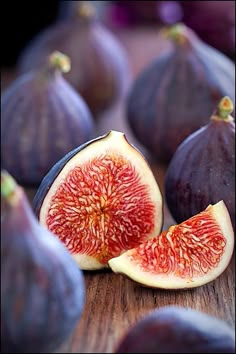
{"x": 225, "y": 108}
{"x": 58, "y": 60}
{"x": 177, "y": 32}
{"x": 85, "y": 10}
{"x": 8, "y": 186}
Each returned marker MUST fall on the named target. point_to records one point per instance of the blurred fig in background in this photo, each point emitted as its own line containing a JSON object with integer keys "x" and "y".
{"x": 175, "y": 94}
{"x": 136, "y": 13}
{"x": 213, "y": 21}
{"x": 176, "y": 329}
{"x": 100, "y": 68}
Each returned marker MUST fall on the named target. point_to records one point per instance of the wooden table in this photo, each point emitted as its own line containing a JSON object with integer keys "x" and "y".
{"x": 113, "y": 302}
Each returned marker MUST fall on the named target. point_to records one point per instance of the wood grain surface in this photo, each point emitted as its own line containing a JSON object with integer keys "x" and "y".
{"x": 113, "y": 302}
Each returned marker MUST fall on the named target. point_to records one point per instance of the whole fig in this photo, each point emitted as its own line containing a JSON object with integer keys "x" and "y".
{"x": 202, "y": 170}
{"x": 43, "y": 118}
{"x": 42, "y": 288}
{"x": 174, "y": 95}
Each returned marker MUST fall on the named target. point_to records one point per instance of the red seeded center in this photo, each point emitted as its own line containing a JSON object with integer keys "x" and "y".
{"x": 186, "y": 250}
{"x": 102, "y": 208}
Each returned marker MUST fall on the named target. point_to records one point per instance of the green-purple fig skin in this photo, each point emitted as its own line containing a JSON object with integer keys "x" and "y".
{"x": 100, "y": 67}
{"x": 54, "y": 172}
{"x": 43, "y": 118}
{"x": 202, "y": 171}
{"x": 176, "y": 94}
{"x": 173, "y": 329}
{"x": 42, "y": 288}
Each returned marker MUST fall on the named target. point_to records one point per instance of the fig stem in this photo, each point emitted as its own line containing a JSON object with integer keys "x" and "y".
{"x": 60, "y": 61}
{"x": 8, "y": 186}
{"x": 176, "y": 32}
{"x": 225, "y": 107}
{"x": 85, "y": 10}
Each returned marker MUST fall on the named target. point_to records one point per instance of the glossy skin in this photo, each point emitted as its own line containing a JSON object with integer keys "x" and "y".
{"x": 202, "y": 171}
{"x": 173, "y": 329}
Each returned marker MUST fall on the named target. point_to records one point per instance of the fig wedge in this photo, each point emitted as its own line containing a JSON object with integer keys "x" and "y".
{"x": 187, "y": 255}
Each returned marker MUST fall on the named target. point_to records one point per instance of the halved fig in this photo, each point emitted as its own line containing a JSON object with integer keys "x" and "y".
{"x": 101, "y": 199}
{"x": 187, "y": 255}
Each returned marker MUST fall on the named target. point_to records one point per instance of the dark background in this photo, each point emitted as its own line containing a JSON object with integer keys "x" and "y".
{"x": 213, "y": 21}
{"x": 21, "y": 20}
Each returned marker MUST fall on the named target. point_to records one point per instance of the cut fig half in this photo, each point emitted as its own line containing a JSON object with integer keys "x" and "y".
{"x": 101, "y": 199}
{"x": 187, "y": 255}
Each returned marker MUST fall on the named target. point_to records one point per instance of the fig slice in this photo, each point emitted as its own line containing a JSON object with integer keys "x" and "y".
{"x": 187, "y": 255}
{"x": 101, "y": 199}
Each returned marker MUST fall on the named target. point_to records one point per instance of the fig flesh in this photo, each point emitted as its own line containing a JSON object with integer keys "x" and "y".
{"x": 42, "y": 287}
{"x": 173, "y": 329}
{"x": 202, "y": 170}
{"x": 100, "y": 200}
{"x": 187, "y": 255}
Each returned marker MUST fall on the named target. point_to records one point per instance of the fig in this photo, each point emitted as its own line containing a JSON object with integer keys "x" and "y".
{"x": 100, "y": 200}
{"x": 100, "y": 66}
{"x": 187, "y": 255}
{"x": 177, "y": 329}
{"x": 43, "y": 118}
{"x": 175, "y": 94}
{"x": 143, "y": 13}
{"x": 202, "y": 170}
{"x": 42, "y": 287}
{"x": 213, "y": 21}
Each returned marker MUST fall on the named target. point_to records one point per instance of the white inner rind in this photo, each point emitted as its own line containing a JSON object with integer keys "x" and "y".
{"x": 86, "y": 262}
{"x": 124, "y": 265}
{"x": 114, "y": 142}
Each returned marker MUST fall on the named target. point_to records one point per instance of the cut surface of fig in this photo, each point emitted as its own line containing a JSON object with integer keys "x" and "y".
{"x": 100, "y": 200}
{"x": 187, "y": 255}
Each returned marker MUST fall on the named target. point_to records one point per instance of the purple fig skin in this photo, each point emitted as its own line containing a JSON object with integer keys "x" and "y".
{"x": 214, "y": 22}
{"x": 175, "y": 95}
{"x": 43, "y": 118}
{"x": 173, "y": 329}
{"x": 100, "y": 68}
{"x": 202, "y": 171}
{"x": 42, "y": 288}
